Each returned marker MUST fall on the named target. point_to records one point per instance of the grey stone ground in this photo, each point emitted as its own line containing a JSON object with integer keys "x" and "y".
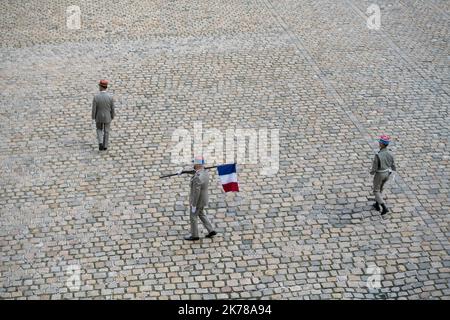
{"x": 311, "y": 69}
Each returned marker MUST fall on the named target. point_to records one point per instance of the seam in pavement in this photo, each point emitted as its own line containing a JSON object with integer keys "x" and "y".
{"x": 426, "y": 217}
{"x": 387, "y": 38}
{"x": 435, "y": 7}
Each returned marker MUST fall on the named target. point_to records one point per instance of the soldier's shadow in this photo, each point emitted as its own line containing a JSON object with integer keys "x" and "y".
{"x": 338, "y": 222}
{"x": 230, "y": 203}
{"x": 351, "y": 216}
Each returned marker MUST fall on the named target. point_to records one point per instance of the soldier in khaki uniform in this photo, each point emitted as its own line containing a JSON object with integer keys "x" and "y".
{"x": 382, "y": 166}
{"x": 198, "y": 200}
{"x": 103, "y": 113}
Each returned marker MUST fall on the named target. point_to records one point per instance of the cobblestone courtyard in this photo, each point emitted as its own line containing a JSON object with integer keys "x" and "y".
{"x": 311, "y": 69}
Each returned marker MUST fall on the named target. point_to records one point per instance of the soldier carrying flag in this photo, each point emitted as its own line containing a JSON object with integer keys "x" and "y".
{"x": 198, "y": 195}
{"x": 198, "y": 200}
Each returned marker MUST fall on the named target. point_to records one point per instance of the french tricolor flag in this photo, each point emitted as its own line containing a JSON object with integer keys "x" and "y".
{"x": 228, "y": 177}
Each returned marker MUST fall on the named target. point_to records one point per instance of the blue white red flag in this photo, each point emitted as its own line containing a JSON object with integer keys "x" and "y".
{"x": 228, "y": 177}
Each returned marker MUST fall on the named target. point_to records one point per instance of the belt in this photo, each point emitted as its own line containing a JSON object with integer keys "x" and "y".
{"x": 385, "y": 170}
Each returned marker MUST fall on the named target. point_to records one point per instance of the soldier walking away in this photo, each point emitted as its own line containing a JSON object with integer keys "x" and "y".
{"x": 382, "y": 167}
{"x": 198, "y": 200}
{"x": 103, "y": 113}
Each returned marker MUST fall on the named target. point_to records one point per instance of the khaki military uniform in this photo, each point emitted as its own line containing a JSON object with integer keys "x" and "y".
{"x": 382, "y": 166}
{"x": 198, "y": 199}
{"x": 103, "y": 113}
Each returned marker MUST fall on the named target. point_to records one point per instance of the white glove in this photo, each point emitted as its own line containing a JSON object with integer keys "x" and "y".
{"x": 193, "y": 209}
{"x": 393, "y": 176}
{"x": 179, "y": 171}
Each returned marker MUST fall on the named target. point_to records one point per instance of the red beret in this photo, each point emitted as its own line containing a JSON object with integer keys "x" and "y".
{"x": 103, "y": 83}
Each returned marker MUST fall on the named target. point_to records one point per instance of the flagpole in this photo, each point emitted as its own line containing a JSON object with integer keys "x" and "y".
{"x": 184, "y": 171}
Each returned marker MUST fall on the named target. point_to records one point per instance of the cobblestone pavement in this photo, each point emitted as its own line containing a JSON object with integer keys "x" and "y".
{"x": 312, "y": 69}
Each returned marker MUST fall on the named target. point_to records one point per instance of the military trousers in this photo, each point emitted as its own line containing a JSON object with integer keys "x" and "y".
{"x": 199, "y": 213}
{"x": 379, "y": 180}
{"x": 103, "y": 130}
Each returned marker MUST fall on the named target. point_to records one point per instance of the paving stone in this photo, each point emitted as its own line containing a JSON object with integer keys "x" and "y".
{"x": 313, "y": 71}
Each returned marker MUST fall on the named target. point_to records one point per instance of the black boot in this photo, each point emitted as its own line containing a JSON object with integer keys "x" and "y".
{"x": 191, "y": 238}
{"x": 211, "y": 234}
{"x": 376, "y": 206}
{"x": 100, "y": 146}
{"x": 385, "y": 209}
